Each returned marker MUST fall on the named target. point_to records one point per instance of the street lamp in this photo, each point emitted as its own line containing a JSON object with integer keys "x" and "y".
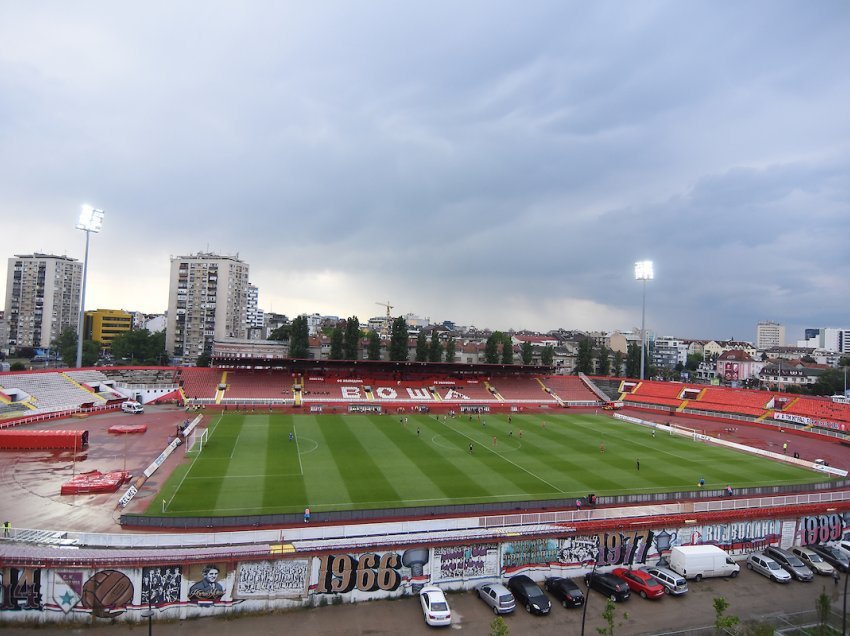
{"x": 643, "y": 271}
{"x": 91, "y": 220}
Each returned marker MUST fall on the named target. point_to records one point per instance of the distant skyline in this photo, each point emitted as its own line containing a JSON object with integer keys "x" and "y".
{"x": 491, "y": 164}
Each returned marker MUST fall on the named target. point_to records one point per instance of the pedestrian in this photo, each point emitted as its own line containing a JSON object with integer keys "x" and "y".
{"x": 578, "y": 504}
{"x": 785, "y": 448}
{"x": 602, "y": 447}
{"x": 7, "y": 528}
{"x": 510, "y": 433}
{"x": 835, "y": 576}
{"x": 520, "y": 433}
{"x": 306, "y": 515}
{"x": 417, "y": 431}
{"x": 653, "y": 433}
{"x": 728, "y": 490}
{"x": 701, "y": 482}
{"x": 291, "y": 436}
{"x": 510, "y": 419}
{"x": 637, "y": 464}
{"x": 470, "y": 448}
{"x": 494, "y": 440}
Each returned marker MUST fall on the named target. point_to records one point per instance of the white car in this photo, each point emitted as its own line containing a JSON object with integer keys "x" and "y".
{"x": 435, "y": 606}
{"x": 132, "y": 407}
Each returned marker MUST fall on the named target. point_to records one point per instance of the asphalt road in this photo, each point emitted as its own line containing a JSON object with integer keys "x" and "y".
{"x": 750, "y": 596}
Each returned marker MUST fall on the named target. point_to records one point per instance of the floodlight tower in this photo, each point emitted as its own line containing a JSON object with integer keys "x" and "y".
{"x": 91, "y": 220}
{"x": 643, "y": 272}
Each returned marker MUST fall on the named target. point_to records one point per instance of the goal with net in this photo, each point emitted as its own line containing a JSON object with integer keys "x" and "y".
{"x": 196, "y": 441}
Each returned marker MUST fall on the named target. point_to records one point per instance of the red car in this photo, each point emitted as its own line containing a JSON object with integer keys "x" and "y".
{"x": 641, "y": 582}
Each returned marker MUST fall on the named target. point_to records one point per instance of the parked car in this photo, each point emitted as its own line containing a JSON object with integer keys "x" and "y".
{"x": 813, "y": 560}
{"x": 764, "y": 565}
{"x": 498, "y": 597}
{"x": 435, "y": 606}
{"x": 608, "y": 584}
{"x": 565, "y": 591}
{"x": 639, "y": 581}
{"x": 835, "y": 557}
{"x": 529, "y": 595}
{"x": 675, "y": 584}
{"x": 790, "y": 563}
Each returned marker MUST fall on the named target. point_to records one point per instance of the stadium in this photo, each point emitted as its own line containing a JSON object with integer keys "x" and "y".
{"x": 300, "y": 481}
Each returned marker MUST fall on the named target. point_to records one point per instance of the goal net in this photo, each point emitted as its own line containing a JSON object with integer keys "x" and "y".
{"x": 696, "y": 435}
{"x": 196, "y": 441}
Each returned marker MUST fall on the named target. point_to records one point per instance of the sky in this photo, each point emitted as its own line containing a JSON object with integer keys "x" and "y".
{"x": 495, "y": 164}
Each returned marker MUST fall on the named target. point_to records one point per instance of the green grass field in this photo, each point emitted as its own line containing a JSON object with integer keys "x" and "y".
{"x": 344, "y": 462}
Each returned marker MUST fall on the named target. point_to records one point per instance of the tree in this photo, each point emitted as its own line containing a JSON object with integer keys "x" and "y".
{"x": 633, "y": 360}
{"x": 526, "y": 352}
{"x": 139, "y": 346}
{"x": 17, "y": 366}
{"x": 203, "y": 360}
{"x": 398, "y": 340}
{"x": 604, "y": 361}
{"x": 435, "y": 350}
{"x": 618, "y": 363}
{"x": 352, "y": 338}
{"x": 830, "y": 382}
{"x": 337, "y": 348}
{"x": 421, "y": 347}
{"x": 373, "y": 350}
{"x": 548, "y": 355}
{"x": 507, "y": 349}
{"x": 609, "y": 615}
{"x": 584, "y": 361}
{"x": 450, "y": 349}
{"x": 491, "y": 348}
{"x": 822, "y": 607}
{"x": 721, "y": 621}
{"x": 299, "y": 338}
{"x": 694, "y": 360}
{"x": 66, "y": 343}
{"x": 281, "y": 333}
{"x": 499, "y": 627}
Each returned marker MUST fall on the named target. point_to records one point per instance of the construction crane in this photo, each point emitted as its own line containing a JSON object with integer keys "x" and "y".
{"x": 388, "y": 306}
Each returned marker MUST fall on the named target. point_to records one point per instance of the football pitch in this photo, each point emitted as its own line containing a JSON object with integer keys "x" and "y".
{"x": 250, "y": 466}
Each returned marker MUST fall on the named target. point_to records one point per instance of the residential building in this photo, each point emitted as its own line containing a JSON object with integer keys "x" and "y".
{"x": 255, "y": 316}
{"x": 769, "y": 334}
{"x": 207, "y": 301}
{"x": 669, "y": 352}
{"x": 42, "y": 298}
{"x": 736, "y": 367}
{"x": 713, "y": 348}
{"x": 102, "y": 325}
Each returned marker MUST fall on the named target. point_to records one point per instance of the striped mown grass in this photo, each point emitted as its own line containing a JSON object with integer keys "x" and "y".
{"x": 249, "y": 466}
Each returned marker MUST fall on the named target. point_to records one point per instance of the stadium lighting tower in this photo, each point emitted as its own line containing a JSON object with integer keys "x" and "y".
{"x": 91, "y": 220}
{"x": 643, "y": 271}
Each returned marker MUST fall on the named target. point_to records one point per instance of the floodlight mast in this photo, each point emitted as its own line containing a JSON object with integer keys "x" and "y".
{"x": 643, "y": 272}
{"x": 91, "y": 220}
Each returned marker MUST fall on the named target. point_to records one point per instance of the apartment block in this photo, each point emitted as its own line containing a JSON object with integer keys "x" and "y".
{"x": 769, "y": 334}
{"x": 207, "y": 301}
{"x": 42, "y": 298}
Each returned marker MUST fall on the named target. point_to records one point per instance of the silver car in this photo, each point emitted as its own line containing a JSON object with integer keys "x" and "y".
{"x": 675, "y": 584}
{"x": 790, "y": 563}
{"x": 766, "y": 566}
{"x": 498, "y": 597}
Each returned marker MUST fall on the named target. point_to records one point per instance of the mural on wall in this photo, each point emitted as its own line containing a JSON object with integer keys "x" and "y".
{"x": 161, "y": 585}
{"x": 20, "y": 589}
{"x": 517, "y": 555}
{"x": 67, "y": 589}
{"x": 208, "y": 588}
{"x": 460, "y": 563}
{"x": 821, "y": 528}
{"x": 272, "y": 578}
{"x": 107, "y": 593}
{"x": 387, "y": 572}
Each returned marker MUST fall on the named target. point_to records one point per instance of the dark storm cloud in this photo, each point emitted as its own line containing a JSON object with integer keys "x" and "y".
{"x": 487, "y": 163}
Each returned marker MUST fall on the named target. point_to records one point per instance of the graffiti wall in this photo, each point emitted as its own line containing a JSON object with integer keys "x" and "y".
{"x": 181, "y": 590}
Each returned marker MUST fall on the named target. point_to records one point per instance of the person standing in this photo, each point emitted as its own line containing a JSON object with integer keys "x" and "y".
{"x": 306, "y": 515}
{"x": 417, "y": 431}
{"x": 602, "y": 447}
{"x": 637, "y": 464}
{"x": 470, "y": 448}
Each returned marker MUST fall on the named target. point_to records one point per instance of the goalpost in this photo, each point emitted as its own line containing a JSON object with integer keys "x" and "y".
{"x": 196, "y": 440}
{"x": 693, "y": 433}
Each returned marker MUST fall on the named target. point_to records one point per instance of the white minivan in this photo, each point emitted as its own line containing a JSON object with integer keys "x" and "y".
{"x": 132, "y": 407}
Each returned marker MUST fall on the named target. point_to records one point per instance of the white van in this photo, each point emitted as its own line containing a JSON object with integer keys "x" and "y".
{"x": 132, "y": 407}
{"x": 700, "y": 561}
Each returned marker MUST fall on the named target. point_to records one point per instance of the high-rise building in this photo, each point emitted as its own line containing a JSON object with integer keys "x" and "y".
{"x": 769, "y": 334}
{"x": 42, "y": 298}
{"x": 102, "y": 325}
{"x": 255, "y": 315}
{"x": 207, "y": 300}
{"x": 828, "y": 338}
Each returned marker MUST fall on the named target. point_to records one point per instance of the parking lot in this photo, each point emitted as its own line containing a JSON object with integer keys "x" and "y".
{"x": 750, "y": 596}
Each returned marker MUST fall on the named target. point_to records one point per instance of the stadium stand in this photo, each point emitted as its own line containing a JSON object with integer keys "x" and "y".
{"x": 245, "y": 384}
{"x": 569, "y": 388}
{"x": 199, "y": 383}
{"x": 818, "y": 408}
{"x": 521, "y": 389}
{"x": 49, "y": 391}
